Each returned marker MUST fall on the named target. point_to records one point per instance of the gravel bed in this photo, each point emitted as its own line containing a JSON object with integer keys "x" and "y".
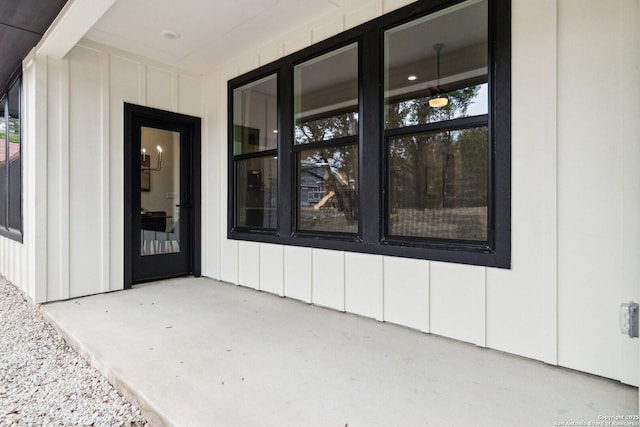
{"x": 43, "y": 381}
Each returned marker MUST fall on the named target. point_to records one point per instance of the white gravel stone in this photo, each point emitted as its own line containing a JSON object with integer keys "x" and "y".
{"x": 44, "y": 382}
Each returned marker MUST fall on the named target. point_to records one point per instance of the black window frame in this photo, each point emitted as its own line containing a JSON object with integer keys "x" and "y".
{"x": 372, "y": 145}
{"x": 5, "y": 192}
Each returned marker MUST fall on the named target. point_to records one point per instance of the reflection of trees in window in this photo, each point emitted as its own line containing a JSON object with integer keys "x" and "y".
{"x": 14, "y": 130}
{"x": 326, "y": 141}
{"x": 10, "y": 163}
{"x": 332, "y": 174}
{"x": 322, "y": 129}
{"x": 407, "y": 112}
{"x": 438, "y": 179}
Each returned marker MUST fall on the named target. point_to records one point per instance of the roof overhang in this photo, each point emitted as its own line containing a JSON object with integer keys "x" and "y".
{"x": 22, "y": 25}
{"x": 75, "y": 20}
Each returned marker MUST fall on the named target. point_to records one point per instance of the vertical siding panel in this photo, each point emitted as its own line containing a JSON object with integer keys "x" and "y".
{"x": 296, "y": 40}
{"x": 272, "y": 268}
{"x": 457, "y": 293}
{"x": 363, "y": 285}
{"x": 85, "y": 179}
{"x": 366, "y": 13}
{"x": 589, "y": 182}
{"x": 297, "y": 273}
{"x": 57, "y": 185}
{"x": 213, "y": 227}
{"x": 123, "y": 88}
{"x": 549, "y": 341}
{"x": 520, "y": 301}
{"x": 142, "y": 84}
{"x": 4, "y": 257}
{"x": 328, "y": 278}
{"x": 270, "y": 52}
{"x": 328, "y": 28}
{"x": 229, "y": 261}
{"x": 159, "y": 91}
{"x": 228, "y": 249}
{"x": 174, "y": 91}
{"x": 35, "y": 246}
{"x": 406, "y": 292}
{"x": 248, "y": 62}
{"x": 22, "y": 272}
{"x": 190, "y": 96}
{"x": 629, "y": 127}
{"x": 65, "y": 199}
{"x": 390, "y": 5}
{"x": 249, "y": 264}
{"x": 9, "y": 257}
{"x": 106, "y": 169}
{"x": 13, "y": 255}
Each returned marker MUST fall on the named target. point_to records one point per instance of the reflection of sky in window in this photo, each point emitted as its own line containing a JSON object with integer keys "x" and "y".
{"x": 481, "y": 103}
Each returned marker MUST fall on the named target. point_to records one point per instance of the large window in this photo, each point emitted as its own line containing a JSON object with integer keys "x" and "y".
{"x": 255, "y": 132}
{"x": 391, "y": 138}
{"x": 10, "y": 162}
{"x": 436, "y": 125}
{"x": 326, "y": 141}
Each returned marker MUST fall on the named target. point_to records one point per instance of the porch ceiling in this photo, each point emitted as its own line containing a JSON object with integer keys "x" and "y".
{"x": 22, "y": 24}
{"x": 210, "y": 32}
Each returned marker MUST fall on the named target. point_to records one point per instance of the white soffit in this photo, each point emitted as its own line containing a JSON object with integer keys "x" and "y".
{"x": 211, "y": 32}
{"x": 73, "y": 22}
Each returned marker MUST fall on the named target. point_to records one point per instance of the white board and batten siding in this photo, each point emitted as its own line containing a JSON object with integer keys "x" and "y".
{"x": 84, "y": 94}
{"x": 575, "y": 204}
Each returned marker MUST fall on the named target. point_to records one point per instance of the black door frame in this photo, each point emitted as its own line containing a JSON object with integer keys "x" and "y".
{"x": 132, "y": 114}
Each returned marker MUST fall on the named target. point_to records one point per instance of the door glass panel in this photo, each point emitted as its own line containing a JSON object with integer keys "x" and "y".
{"x": 159, "y": 192}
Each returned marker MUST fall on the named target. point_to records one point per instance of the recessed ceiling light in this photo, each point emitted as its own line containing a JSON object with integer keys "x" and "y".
{"x": 171, "y": 35}
{"x": 412, "y": 78}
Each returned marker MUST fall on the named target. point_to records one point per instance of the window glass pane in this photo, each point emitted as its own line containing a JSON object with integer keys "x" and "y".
{"x": 256, "y": 192}
{"x": 3, "y": 163}
{"x": 328, "y": 189}
{"x": 442, "y": 56}
{"x": 15, "y": 166}
{"x": 438, "y": 185}
{"x": 326, "y": 96}
{"x": 255, "y": 116}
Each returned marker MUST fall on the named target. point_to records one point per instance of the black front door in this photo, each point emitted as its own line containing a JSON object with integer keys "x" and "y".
{"x": 162, "y": 194}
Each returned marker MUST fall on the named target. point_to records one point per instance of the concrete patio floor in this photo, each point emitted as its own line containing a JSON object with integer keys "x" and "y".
{"x": 197, "y": 352}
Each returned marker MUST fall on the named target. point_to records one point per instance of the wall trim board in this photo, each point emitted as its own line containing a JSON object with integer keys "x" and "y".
{"x": 106, "y": 175}
{"x": 550, "y": 182}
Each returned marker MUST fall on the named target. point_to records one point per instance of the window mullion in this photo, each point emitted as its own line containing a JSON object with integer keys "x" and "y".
{"x": 287, "y": 181}
{"x": 370, "y": 143}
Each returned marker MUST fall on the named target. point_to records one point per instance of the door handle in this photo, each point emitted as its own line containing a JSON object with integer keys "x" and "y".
{"x": 184, "y": 205}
